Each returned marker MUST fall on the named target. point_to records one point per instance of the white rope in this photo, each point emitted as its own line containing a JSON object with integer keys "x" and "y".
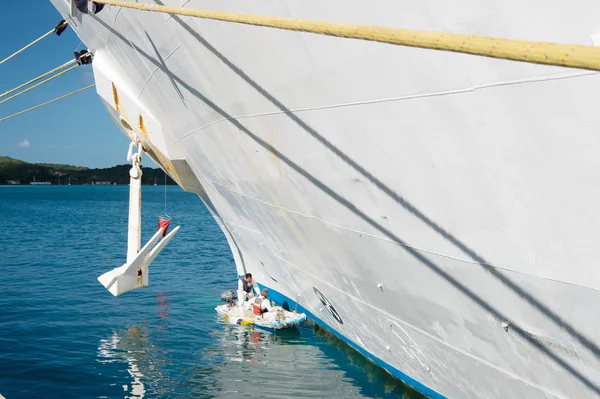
{"x": 58, "y": 68}
{"x": 47, "y": 102}
{"x": 39, "y": 84}
{"x": 29, "y": 45}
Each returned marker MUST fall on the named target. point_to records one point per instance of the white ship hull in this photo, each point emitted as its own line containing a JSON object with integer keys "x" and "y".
{"x": 436, "y": 211}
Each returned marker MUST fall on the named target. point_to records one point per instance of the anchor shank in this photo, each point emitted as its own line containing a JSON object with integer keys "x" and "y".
{"x": 134, "y": 237}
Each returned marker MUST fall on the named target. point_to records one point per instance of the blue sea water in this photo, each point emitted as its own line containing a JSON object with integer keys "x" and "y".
{"x": 62, "y": 335}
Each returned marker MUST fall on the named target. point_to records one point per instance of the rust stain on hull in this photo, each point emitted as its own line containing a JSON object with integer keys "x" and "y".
{"x": 116, "y": 98}
{"x": 158, "y": 156}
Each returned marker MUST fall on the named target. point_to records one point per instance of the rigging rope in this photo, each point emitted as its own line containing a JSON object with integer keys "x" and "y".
{"x": 166, "y": 195}
{"x": 566, "y": 55}
{"x": 39, "y": 84}
{"x": 58, "y": 68}
{"x": 45, "y": 35}
{"x": 78, "y": 61}
{"x": 47, "y": 102}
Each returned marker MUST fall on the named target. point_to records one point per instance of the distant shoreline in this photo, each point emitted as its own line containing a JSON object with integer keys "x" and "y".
{"x": 81, "y": 185}
{"x": 14, "y": 172}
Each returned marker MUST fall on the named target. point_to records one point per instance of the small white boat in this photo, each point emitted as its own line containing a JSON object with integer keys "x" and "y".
{"x": 277, "y": 319}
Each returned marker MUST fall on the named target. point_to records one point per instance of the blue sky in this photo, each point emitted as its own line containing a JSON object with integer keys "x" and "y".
{"x": 76, "y": 130}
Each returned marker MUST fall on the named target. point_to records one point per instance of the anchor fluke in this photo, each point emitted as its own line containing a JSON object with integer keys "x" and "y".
{"x": 134, "y": 274}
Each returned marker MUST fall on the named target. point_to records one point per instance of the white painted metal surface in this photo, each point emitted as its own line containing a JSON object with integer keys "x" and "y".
{"x": 134, "y": 232}
{"x": 467, "y": 187}
{"x": 135, "y": 272}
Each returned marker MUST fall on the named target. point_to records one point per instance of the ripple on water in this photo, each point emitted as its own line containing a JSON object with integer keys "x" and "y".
{"x": 62, "y": 335}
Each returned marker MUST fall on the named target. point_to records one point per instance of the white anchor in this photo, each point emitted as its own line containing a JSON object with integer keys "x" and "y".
{"x": 134, "y": 273}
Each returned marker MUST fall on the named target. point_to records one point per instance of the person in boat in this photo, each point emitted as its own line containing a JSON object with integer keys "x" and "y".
{"x": 245, "y": 288}
{"x": 261, "y": 303}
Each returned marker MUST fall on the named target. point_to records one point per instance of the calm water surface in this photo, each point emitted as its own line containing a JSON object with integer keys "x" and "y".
{"x": 63, "y": 335}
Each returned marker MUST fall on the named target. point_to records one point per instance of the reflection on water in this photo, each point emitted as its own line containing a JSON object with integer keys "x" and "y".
{"x": 113, "y": 349}
{"x": 144, "y": 359}
{"x": 240, "y": 361}
{"x": 274, "y": 366}
{"x": 162, "y": 301}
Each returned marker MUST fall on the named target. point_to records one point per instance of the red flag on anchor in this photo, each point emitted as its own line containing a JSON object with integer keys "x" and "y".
{"x": 163, "y": 223}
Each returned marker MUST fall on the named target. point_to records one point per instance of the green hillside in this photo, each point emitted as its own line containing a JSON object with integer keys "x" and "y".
{"x": 9, "y": 161}
{"x": 24, "y": 172}
{"x": 62, "y": 168}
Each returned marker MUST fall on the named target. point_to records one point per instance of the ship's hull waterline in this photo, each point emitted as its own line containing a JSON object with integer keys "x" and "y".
{"x": 436, "y": 211}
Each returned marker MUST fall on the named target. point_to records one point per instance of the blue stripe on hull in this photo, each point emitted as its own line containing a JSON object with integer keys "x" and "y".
{"x": 279, "y": 299}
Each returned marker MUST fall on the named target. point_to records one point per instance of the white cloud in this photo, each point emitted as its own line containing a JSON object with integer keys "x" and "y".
{"x": 23, "y": 144}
